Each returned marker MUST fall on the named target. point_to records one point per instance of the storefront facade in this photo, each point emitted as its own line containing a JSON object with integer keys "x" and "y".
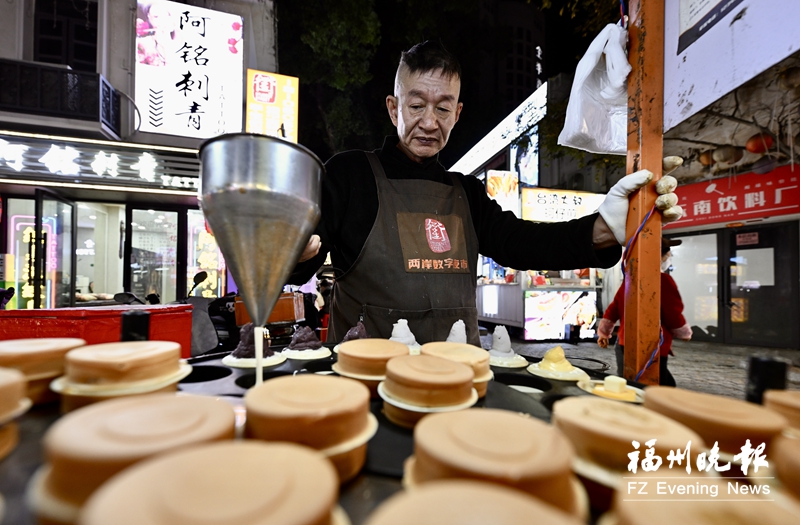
{"x": 110, "y": 217}
{"x": 738, "y": 267}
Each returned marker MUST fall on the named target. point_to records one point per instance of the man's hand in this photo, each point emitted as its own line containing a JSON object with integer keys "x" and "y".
{"x": 604, "y": 329}
{"x": 614, "y": 210}
{"x": 311, "y": 249}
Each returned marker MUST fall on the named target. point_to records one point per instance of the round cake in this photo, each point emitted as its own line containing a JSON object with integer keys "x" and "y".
{"x": 470, "y": 355}
{"x": 786, "y": 403}
{"x": 727, "y": 421}
{"x": 246, "y": 483}
{"x": 418, "y": 384}
{"x": 498, "y": 446}
{"x": 690, "y": 509}
{"x": 40, "y": 360}
{"x": 602, "y": 431}
{"x": 785, "y": 452}
{"x": 88, "y": 446}
{"x": 37, "y": 358}
{"x": 368, "y": 357}
{"x": 12, "y": 391}
{"x": 428, "y": 381}
{"x": 125, "y": 362}
{"x": 330, "y": 414}
{"x": 456, "y": 502}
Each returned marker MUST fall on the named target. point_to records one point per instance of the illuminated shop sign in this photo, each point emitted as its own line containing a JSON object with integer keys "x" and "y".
{"x": 544, "y": 205}
{"x": 188, "y": 70}
{"x": 272, "y": 104}
{"x": 518, "y": 122}
{"x": 28, "y": 158}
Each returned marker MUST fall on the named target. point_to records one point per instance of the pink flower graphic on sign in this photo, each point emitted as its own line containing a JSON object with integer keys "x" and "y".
{"x": 436, "y": 234}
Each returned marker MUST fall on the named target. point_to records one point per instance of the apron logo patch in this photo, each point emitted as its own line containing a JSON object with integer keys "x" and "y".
{"x": 436, "y": 234}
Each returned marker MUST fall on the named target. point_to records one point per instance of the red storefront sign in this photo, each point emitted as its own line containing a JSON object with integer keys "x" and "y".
{"x": 739, "y": 198}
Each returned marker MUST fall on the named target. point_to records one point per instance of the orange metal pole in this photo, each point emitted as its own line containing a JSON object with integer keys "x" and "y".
{"x": 645, "y": 151}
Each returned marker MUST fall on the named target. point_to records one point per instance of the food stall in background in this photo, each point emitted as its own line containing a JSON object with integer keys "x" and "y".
{"x": 555, "y": 305}
{"x": 545, "y": 304}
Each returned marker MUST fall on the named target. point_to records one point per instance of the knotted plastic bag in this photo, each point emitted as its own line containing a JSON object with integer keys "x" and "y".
{"x": 597, "y": 113}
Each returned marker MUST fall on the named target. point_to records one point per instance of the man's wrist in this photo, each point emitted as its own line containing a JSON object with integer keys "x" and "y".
{"x": 602, "y": 236}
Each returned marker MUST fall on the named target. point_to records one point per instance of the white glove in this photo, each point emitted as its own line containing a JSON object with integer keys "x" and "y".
{"x": 614, "y": 209}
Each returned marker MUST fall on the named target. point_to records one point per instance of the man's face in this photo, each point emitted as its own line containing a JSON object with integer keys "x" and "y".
{"x": 424, "y": 109}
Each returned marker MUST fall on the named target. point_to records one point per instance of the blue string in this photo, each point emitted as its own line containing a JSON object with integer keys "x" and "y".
{"x": 622, "y": 13}
{"x": 653, "y": 355}
{"x": 628, "y": 253}
{"x": 633, "y": 239}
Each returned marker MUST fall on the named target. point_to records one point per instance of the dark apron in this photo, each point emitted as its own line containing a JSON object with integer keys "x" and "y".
{"x": 418, "y": 263}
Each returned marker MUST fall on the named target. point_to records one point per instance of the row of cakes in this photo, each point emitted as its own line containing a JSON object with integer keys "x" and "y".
{"x": 82, "y": 374}
{"x": 225, "y": 483}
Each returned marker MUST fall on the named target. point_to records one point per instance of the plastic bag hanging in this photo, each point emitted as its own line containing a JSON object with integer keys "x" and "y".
{"x": 597, "y": 113}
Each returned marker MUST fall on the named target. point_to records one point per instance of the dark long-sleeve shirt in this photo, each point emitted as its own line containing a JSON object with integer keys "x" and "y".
{"x": 350, "y": 206}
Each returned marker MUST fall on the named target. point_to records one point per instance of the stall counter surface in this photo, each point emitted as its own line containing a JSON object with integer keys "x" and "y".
{"x": 359, "y": 497}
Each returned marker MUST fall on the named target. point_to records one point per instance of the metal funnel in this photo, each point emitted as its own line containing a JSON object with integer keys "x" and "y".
{"x": 260, "y": 196}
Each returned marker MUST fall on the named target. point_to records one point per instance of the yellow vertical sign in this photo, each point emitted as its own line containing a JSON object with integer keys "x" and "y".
{"x": 272, "y": 104}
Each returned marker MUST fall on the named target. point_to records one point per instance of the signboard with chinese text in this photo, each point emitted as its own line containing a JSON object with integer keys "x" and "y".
{"x": 740, "y": 198}
{"x": 188, "y": 70}
{"x": 543, "y": 205}
{"x": 503, "y": 187}
{"x": 97, "y": 162}
{"x": 272, "y": 102}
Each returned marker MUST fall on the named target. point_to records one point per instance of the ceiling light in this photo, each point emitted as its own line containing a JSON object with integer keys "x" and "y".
{"x": 158, "y": 220}
{"x": 93, "y": 217}
{"x": 141, "y": 227}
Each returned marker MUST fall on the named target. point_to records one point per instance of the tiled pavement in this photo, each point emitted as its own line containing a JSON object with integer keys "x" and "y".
{"x": 703, "y": 367}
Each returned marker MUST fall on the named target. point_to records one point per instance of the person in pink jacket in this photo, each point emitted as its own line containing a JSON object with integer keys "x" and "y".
{"x": 673, "y": 324}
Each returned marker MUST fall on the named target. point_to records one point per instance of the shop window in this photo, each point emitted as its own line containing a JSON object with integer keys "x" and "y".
{"x": 99, "y": 250}
{"x": 204, "y": 255}
{"x": 66, "y": 33}
{"x": 154, "y": 241}
{"x": 20, "y": 231}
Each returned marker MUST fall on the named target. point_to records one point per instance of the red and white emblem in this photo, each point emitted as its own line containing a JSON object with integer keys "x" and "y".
{"x": 438, "y": 240}
{"x": 265, "y": 88}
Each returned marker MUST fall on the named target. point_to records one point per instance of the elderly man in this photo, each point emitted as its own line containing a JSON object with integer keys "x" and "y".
{"x": 404, "y": 233}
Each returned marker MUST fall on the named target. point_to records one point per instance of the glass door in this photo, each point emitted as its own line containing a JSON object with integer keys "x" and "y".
{"x": 761, "y": 305}
{"x": 53, "y": 252}
{"x": 156, "y": 251}
{"x": 694, "y": 268}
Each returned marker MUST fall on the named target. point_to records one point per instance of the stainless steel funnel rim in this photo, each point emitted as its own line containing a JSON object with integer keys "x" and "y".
{"x": 259, "y": 136}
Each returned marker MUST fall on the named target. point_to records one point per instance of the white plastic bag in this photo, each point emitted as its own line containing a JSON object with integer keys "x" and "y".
{"x": 597, "y": 113}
